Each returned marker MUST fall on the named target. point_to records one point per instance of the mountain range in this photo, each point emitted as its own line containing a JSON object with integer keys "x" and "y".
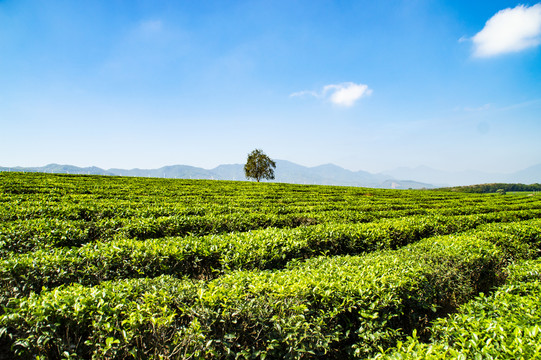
{"x": 328, "y": 174}
{"x": 442, "y": 178}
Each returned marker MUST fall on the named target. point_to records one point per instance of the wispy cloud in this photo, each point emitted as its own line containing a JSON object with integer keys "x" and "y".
{"x": 478, "y": 108}
{"x": 521, "y": 105}
{"x": 343, "y": 94}
{"x": 510, "y": 30}
{"x": 494, "y": 107}
{"x": 305, "y": 93}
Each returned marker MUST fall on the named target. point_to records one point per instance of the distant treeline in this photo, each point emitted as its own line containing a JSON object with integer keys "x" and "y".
{"x": 492, "y": 188}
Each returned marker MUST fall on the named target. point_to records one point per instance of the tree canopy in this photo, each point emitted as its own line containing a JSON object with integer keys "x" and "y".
{"x": 259, "y": 166}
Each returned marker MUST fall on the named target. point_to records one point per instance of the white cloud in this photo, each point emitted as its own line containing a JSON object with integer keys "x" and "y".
{"x": 347, "y": 94}
{"x": 510, "y": 30}
{"x": 344, "y": 94}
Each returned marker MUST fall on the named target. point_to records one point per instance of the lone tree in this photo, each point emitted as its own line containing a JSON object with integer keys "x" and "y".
{"x": 259, "y": 166}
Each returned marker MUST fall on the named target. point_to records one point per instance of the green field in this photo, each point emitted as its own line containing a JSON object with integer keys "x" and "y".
{"x": 140, "y": 268}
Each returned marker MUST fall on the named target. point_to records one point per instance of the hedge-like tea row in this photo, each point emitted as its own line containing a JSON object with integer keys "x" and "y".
{"x": 520, "y": 240}
{"x": 503, "y": 325}
{"x": 97, "y": 208}
{"x": 302, "y": 306}
{"x": 332, "y": 307}
{"x": 31, "y": 235}
{"x": 23, "y": 236}
{"x": 94, "y": 198}
{"x": 210, "y": 256}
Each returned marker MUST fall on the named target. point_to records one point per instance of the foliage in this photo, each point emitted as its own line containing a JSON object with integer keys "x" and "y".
{"x": 209, "y": 257}
{"x": 502, "y": 325}
{"x": 259, "y": 166}
{"x": 495, "y": 187}
{"x": 306, "y": 308}
{"x": 133, "y": 268}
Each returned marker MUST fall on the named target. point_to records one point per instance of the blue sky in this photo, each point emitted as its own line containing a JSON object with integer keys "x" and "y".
{"x": 367, "y": 85}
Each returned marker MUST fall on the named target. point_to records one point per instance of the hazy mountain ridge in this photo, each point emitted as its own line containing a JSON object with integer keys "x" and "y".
{"x": 327, "y": 174}
{"x": 286, "y": 171}
{"x": 443, "y": 178}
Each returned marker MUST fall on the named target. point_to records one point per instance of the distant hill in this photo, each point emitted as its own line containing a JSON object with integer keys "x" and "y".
{"x": 61, "y": 169}
{"x": 529, "y": 175}
{"x": 327, "y": 174}
{"x": 286, "y": 172}
{"x": 446, "y": 178}
{"x": 174, "y": 171}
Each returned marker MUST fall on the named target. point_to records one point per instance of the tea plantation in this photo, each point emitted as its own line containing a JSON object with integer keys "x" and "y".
{"x": 95, "y": 267}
